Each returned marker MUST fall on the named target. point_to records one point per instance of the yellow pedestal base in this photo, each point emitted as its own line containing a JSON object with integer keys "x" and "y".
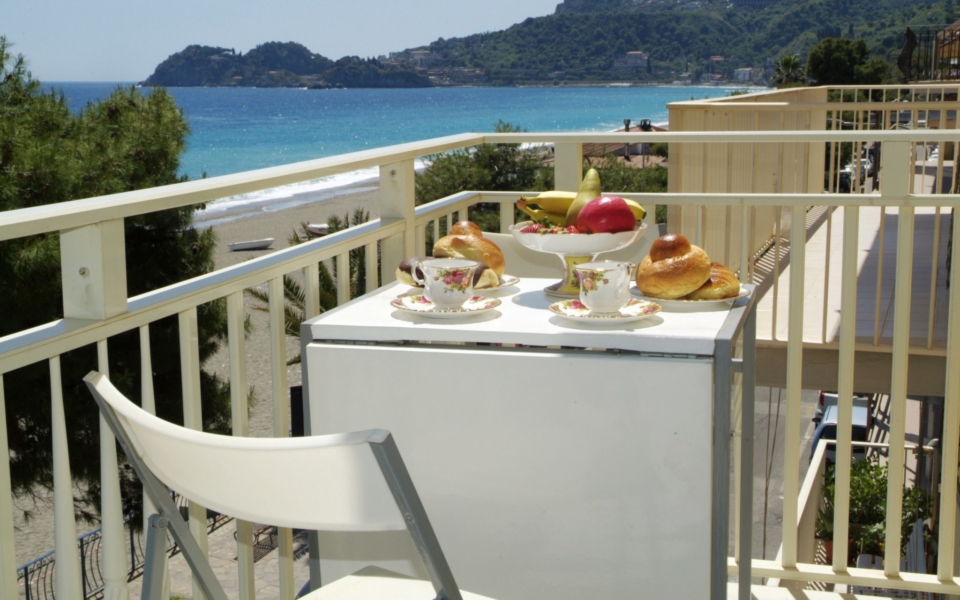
{"x": 569, "y": 286}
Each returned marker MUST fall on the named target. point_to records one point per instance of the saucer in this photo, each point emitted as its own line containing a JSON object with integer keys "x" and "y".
{"x": 505, "y": 281}
{"x": 689, "y": 304}
{"x": 420, "y": 305}
{"x": 633, "y": 310}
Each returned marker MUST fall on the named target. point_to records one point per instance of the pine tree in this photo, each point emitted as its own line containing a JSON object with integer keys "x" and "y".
{"x": 48, "y": 155}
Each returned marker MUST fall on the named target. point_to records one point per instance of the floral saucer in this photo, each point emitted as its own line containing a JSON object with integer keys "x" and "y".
{"x": 420, "y": 305}
{"x": 633, "y": 310}
{"x": 505, "y": 281}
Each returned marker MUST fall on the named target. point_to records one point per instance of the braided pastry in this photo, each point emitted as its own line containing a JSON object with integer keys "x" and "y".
{"x": 673, "y": 269}
{"x": 722, "y": 284}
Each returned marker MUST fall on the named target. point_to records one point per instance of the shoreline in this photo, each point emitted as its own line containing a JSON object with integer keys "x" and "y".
{"x": 280, "y": 218}
{"x": 545, "y": 84}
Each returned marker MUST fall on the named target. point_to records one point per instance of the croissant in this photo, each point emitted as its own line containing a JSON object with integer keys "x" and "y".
{"x": 722, "y": 284}
{"x": 673, "y": 269}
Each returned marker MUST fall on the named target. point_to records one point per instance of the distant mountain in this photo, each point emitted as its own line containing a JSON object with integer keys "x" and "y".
{"x": 276, "y": 64}
{"x": 585, "y": 41}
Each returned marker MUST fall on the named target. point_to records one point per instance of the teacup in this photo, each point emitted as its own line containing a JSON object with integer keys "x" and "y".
{"x": 604, "y": 285}
{"x": 447, "y": 282}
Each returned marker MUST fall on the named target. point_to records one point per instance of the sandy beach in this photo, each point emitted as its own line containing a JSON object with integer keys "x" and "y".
{"x": 277, "y": 219}
{"x": 264, "y": 222}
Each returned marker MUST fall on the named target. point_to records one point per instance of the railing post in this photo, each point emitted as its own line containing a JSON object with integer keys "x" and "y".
{"x": 568, "y": 166}
{"x": 192, "y": 418}
{"x": 8, "y": 551}
{"x": 68, "y": 582}
{"x": 93, "y": 267}
{"x": 281, "y": 418}
{"x": 898, "y": 168}
{"x": 397, "y": 203}
{"x": 111, "y": 507}
{"x": 148, "y": 403}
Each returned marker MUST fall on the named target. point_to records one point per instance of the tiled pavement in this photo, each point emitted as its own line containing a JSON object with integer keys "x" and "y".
{"x": 223, "y": 552}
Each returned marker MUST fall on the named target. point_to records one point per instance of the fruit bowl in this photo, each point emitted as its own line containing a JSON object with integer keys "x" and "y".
{"x": 573, "y": 249}
{"x": 576, "y": 244}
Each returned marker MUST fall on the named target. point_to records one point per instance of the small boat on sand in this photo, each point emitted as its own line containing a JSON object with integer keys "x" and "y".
{"x": 318, "y": 229}
{"x": 251, "y": 245}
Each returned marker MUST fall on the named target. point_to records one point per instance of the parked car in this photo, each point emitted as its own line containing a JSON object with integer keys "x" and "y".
{"x": 830, "y": 399}
{"x": 852, "y": 169}
{"x": 845, "y": 182}
{"x": 827, "y": 431}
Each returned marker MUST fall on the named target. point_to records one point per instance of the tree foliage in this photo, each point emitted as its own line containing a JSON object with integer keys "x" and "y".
{"x": 48, "y": 155}
{"x": 584, "y": 37}
{"x": 493, "y": 167}
{"x": 787, "y": 70}
{"x": 840, "y": 61}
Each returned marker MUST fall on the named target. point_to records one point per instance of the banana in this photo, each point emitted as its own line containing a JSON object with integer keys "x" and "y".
{"x": 638, "y": 211}
{"x": 540, "y": 215}
{"x": 552, "y": 201}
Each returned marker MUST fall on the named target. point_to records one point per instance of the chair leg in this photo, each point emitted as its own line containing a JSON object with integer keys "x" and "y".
{"x": 153, "y": 561}
{"x": 418, "y": 525}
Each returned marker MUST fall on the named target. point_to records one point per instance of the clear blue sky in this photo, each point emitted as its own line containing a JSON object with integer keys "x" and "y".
{"x": 124, "y": 40}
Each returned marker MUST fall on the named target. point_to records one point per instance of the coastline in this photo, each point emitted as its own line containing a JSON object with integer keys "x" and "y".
{"x": 279, "y": 218}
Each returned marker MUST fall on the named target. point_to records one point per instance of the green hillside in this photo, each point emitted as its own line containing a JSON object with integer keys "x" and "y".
{"x": 276, "y": 64}
{"x": 584, "y": 37}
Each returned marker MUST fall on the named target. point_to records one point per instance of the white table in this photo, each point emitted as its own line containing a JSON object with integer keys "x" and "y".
{"x": 580, "y": 465}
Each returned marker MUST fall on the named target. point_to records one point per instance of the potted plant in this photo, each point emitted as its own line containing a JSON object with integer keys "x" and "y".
{"x": 868, "y": 506}
{"x": 823, "y": 528}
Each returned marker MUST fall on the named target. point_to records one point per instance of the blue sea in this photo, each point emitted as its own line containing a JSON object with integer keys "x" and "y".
{"x": 239, "y": 129}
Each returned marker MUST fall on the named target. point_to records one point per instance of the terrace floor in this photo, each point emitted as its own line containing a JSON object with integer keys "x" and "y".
{"x": 876, "y": 266}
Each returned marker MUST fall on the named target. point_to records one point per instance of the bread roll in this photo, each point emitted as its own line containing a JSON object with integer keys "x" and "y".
{"x": 471, "y": 247}
{"x": 465, "y": 228}
{"x": 483, "y": 277}
{"x": 721, "y": 284}
{"x": 673, "y": 269}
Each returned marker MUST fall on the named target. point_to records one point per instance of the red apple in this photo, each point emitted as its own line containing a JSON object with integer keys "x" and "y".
{"x": 606, "y": 214}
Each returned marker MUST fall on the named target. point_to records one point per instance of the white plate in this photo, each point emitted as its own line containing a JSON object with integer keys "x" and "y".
{"x": 681, "y": 303}
{"x": 420, "y": 305}
{"x": 634, "y": 310}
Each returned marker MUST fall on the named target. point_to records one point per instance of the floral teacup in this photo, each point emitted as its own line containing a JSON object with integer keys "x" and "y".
{"x": 447, "y": 282}
{"x": 604, "y": 285}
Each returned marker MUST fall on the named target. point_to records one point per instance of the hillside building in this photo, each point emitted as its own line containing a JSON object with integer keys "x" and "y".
{"x": 743, "y": 75}
{"x": 634, "y": 59}
{"x": 423, "y": 58}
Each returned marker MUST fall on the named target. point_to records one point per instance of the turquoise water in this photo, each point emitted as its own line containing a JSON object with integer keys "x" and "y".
{"x": 238, "y": 129}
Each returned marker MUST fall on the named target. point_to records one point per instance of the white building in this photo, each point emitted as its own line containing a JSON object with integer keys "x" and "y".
{"x": 743, "y": 75}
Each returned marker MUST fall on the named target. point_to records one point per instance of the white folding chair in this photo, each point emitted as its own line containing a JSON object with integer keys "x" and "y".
{"x": 342, "y": 482}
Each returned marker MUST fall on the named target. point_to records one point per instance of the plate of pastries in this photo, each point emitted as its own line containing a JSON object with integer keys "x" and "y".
{"x": 678, "y": 273}
{"x": 465, "y": 240}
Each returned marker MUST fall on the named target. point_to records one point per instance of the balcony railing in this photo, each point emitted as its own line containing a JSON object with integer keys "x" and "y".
{"x": 784, "y": 172}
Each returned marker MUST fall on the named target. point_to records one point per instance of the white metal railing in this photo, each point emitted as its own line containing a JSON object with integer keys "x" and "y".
{"x": 400, "y": 231}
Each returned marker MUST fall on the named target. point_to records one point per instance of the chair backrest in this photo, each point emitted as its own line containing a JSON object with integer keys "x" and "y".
{"x": 330, "y": 482}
